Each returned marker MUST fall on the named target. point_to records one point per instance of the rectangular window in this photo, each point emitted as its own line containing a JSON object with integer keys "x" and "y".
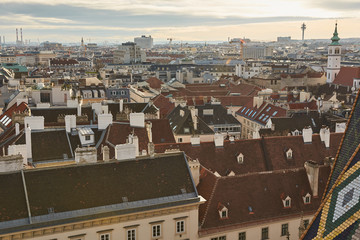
{"x": 219, "y": 238}
{"x": 131, "y": 234}
{"x": 87, "y": 137}
{"x": 265, "y": 233}
{"x": 180, "y": 226}
{"x": 156, "y": 230}
{"x": 242, "y": 236}
{"x": 284, "y": 229}
{"x": 105, "y": 236}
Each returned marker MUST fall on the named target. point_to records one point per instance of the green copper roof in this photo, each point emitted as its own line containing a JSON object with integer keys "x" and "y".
{"x": 335, "y": 39}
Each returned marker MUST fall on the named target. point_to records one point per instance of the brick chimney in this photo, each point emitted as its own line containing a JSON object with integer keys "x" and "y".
{"x": 86, "y": 155}
{"x": 11, "y": 163}
{"x": 106, "y": 153}
{"x": 218, "y": 140}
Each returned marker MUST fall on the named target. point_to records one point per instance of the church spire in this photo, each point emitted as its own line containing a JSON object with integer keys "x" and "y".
{"x": 335, "y": 39}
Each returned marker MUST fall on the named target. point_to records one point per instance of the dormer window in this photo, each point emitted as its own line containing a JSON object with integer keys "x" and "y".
{"x": 289, "y": 154}
{"x": 307, "y": 198}
{"x": 287, "y": 202}
{"x": 223, "y": 211}
{"x": 240, "y": 158}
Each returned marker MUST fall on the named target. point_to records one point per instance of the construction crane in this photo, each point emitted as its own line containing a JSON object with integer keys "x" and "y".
{"x": 241, "y": 42}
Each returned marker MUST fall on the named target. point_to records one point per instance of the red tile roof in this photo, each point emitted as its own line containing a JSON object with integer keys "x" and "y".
{"x": 300, "y": 106}
{"x": 164, "y": 105}
{"x": 252, "y": 199}
{"x": 154, "y": 82}
{"x": 6, "y": 117}
{"x": 346, "y": 76}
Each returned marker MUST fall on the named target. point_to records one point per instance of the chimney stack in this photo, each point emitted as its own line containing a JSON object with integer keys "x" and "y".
{"x": 21, "y": 36}
{"x": 106, "y": 153}
{"x": 219, "y": 140}
{"x": 307, "y": 134}
{"x": 312, "y": 171}
{"x": 17, "y": 36}
{"x": 28, "y": 142}
{"x": 79, "y": 109}
{"x": 17, "y": 129}
{"x": 121, "y": 105}
{"x": 149, "y": 130}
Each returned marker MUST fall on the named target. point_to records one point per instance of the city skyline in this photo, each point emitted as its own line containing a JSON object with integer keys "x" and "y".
{"x": 120, "y": 21}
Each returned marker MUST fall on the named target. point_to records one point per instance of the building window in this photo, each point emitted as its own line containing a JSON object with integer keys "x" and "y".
{"x": 307, "y": 198}
{"x": 287, "y": 202}
{"x": 284, "y": 229}
{"x": 87, "y": 137}
{"x": 179, "y": 140}
{"x": 219, "y": 238}
{"x": 240, "y": 158}
{"x": 242, "y": 236}
{"x": 289, "y": 154}
{"x": 131, "y": 234}
{"x": 105, "y": 236}
{"x": 265, "y": 233}
{"x": 224, "y": 214}
{"x": 156, "y": 230}
{"x": 180, "y": 226}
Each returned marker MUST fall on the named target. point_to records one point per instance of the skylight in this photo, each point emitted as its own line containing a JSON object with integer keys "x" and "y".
{"x": 250, "y": 112}
{"x": 262, "y": 115}
{"x": 253, "y": 114}
{"x": 268, "y": 109}
{"x": 247, "y": 111}
{"x": 275, "y": 113}
{"x": 243, "y": 109}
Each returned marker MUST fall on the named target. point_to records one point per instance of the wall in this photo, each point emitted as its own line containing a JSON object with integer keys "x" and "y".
{"x": 118, "y": 225}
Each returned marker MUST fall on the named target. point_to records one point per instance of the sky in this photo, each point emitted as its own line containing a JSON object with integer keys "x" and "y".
{"x": 117, "y": 21}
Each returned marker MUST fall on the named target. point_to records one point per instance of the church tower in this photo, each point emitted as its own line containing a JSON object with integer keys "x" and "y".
{"x": 334, "y": 57}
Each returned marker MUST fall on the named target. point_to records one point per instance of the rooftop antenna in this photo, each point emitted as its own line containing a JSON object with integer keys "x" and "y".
{"x": 303, "y": 27}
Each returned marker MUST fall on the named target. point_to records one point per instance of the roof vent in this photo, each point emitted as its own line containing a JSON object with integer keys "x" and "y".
{"x": 183, "y": 190}
{"x": 65, "y": 156}
{"x": 125, "y": 199}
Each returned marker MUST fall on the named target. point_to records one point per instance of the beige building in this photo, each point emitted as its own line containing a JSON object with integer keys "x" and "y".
{"x": 94, "y": 201}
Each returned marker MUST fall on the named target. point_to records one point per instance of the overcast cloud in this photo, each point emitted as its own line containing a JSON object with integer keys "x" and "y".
{"x": 114, "y": 20}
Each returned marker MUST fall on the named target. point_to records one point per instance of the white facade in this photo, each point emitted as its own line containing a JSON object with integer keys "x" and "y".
{"x": 144, "y": 42}
{"x": 333, "y": 63}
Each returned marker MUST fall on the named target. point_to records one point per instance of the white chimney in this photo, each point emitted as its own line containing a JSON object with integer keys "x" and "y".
{"x": 137, "y": 120}
{"x": 257, "y": 102}
{"x": 194, "y": 166}
{"x": 219, "y": 140}
{"x": 134, "y": 140}
{"x": 307, "y": 134}
{"x": 194, "y": 113}
{"x": 86, "y": 155}
{"x": 79, "y": 109}
{"x": 312, "y": 171}
{"x": 17, "y": 129}
{"x": 322, "y": 133}
{"x": 125, "y": 151}
{"x": 106, "y": 153}
{"x": 97, "y": 108}
{"x": 327, "y": 137}
{"x": 70, "y": 122}
{"x": 121, "y": 105}
{"x": 11, "y": 163}
{"x": 340, "y": 127}
{"x": 34, "y": 122}
{"x": 104, "y": 120}
{"x": 195, "y": 140}
{"x": 149, "y": 130}
{"x": 28, "y": 142}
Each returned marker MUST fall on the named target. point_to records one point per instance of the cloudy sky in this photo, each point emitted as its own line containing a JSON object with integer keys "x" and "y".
{"x": 117, "y": 21}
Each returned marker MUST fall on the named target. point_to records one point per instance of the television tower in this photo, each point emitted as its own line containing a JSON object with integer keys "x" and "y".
{"x": 303, "y": 27}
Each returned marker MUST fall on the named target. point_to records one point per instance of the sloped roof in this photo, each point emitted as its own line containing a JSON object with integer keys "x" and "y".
{"x": 346, "y": 76}
{"x": 154, "y": 82}
{"x": 259, "y": 192}
{"x": 88, "y": 190}
{"x": 164, "y": 105}
{"x": 6, "y": 117}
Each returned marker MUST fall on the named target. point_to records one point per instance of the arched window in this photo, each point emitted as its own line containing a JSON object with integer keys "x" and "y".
{"x": 337, "y": 50}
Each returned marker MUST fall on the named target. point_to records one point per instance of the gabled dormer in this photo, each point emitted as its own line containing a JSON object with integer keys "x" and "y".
{"x": 287, "y": 202}
{"x": 289, "y": 153}
{"x": 223, "y": 211}
{"x": 307, "y": 198}
{"x": 240, "y": 158}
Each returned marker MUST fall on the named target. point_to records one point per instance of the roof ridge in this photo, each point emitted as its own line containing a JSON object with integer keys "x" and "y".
{"x": 209, "y": 201}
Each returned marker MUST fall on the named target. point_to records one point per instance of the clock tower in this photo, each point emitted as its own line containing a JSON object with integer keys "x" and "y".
{"x": 334, "y": 57}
